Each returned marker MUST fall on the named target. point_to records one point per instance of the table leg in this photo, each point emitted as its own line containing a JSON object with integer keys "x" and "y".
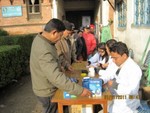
{"x": 60, "y": 108}
{"x": 105, "y": 107}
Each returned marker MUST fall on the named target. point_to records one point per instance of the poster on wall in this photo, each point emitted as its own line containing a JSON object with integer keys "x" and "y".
{"x": 86, "y": 20}
{"x": 11, "y": 11}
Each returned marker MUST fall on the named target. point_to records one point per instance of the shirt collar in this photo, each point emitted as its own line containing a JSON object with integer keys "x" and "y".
{"x": 41, "y": 36}
{"x": 124, "y": 63}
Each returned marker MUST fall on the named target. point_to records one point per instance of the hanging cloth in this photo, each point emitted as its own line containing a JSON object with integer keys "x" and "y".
{"x": 33, "y": 8}
{"x": 32, "y": 1}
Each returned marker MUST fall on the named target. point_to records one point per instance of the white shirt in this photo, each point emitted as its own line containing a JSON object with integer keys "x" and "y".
{"x": 128, "y": 81}
{"x": 96, "y": 59}
{"x": 110, "y": 71}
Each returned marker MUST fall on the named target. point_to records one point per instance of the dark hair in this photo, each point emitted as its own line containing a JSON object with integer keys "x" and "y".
{"x": 110, "y": 43}
{"x": 68, "y": 25}
{"x": 54, "y": 24}
{"x": 73, "y": 26}
{"x": 79, "y": 31}
{"x": 102, "y": 46}
{"x": 120, "y": 47}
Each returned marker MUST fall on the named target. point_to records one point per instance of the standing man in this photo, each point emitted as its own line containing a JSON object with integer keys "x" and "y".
{"x": 90, "y": 41}
{"x": 126, "y": 81}
{"x": 64, "y": 48}
{"x": 45, "y": 71}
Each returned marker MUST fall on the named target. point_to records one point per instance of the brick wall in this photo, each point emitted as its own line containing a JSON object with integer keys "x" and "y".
{"x": 21, "y": 25}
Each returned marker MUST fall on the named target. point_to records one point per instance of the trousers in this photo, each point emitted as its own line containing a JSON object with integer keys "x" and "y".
{"x": 49, "y": 107}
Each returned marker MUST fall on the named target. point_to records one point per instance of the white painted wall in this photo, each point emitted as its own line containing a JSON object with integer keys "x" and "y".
{"x": 135, "y": 37}
{"x": 58, "y": 9}
{"x": 54, "y": 9}
{"x": 97, "y": 18}
{"x": 105, "y": 12}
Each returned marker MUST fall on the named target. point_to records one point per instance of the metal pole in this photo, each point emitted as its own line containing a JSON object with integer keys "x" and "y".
{"x": 141, "y": 62}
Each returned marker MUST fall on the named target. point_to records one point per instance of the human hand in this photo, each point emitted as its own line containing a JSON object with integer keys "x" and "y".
{"x": 109, "y": 83}
{"x": 104, "y": 65}
{"x": 91, "y": 66}
{"x": 77, "y": 61}
{"x": 98, "y": 65}
{"x": 70, "y": 68}
{"x": 88, "y": 63}
{"x": 62, "y": 69}
{"x": 86, "y": 93}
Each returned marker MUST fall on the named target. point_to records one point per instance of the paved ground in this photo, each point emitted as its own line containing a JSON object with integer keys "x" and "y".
{"x": 19, "y": 98}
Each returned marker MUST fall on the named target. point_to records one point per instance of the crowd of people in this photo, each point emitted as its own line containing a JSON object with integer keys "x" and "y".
{"x": 58, "y": 46}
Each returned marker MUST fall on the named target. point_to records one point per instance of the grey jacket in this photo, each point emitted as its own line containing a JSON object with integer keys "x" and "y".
{"x": 45, "y": 72}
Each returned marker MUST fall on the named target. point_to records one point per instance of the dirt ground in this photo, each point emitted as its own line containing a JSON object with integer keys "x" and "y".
{"x": 18, "y": 97}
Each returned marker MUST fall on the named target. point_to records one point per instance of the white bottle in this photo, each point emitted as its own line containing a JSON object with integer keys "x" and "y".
{"x": 91, "y": 72}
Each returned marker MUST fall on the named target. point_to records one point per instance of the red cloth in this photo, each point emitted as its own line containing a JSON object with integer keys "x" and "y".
{"x": 92, "y": 26}
{"x": 90, "y": 42}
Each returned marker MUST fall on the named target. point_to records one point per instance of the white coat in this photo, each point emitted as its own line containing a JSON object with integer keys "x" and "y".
{"x": 96, "y": 59}
{"x": 109, "y": 72}
{"x": 128, "y": 81}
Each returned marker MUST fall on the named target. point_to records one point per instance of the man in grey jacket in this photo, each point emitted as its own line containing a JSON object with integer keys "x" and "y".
{"x": 45, "y": 69}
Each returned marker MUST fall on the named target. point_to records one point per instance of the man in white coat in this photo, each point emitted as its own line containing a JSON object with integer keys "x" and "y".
{"x": 126, "y": 81}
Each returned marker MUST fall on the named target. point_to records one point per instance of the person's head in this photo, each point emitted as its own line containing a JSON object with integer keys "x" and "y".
{"x": 109, "y": 44}
{"x": 92, "y": 28}
{"x": 68, "y": 30}
{"x": 80, "y": 33}
{"x": 87, "y": 29}
{"x": 73, "y": 29}
{"x": 73, "y": 26}
{"x": 102, "y": 48}
{"x": 54, "y": 29}
{"x": 119, "y": 53}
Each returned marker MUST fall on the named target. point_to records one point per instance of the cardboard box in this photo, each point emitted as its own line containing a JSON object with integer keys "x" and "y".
{"x": 81, "y": 108}
{"x": 75, "y": 109}
{"x": 95, "y": 86}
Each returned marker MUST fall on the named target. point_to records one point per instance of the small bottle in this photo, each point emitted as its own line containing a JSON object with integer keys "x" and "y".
{"x": 91, "y": 72}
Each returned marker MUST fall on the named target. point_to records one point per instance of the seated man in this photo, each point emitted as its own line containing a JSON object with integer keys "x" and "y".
{"x": 125, "y": 83}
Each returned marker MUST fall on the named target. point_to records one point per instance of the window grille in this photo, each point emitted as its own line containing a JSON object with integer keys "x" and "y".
{"x": 142, "y": 13}
{"x": 33, "y": 9}
{"x": 122, "y": 18}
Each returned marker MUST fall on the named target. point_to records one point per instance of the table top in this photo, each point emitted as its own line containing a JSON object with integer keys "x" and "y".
{"x": 58, "y": 97}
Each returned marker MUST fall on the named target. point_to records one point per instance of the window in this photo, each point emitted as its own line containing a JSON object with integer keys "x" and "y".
{"x": 142, "y": 13}
{"x": 33, "y": 9}
{"x": 122, "y": 18}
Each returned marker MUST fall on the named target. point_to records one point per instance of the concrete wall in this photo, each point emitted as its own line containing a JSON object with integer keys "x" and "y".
{"x": 105, "y": 12}
{"x": 60, "y": 9}
{"x": 21, "y": 25}
{"x": 135, "y": 37}
{"x": 79, "y": 5}
{"x": 97, "y": 18}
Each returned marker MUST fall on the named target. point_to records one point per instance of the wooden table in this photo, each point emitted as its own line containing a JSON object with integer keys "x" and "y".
{"x": 58, "y": 97}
